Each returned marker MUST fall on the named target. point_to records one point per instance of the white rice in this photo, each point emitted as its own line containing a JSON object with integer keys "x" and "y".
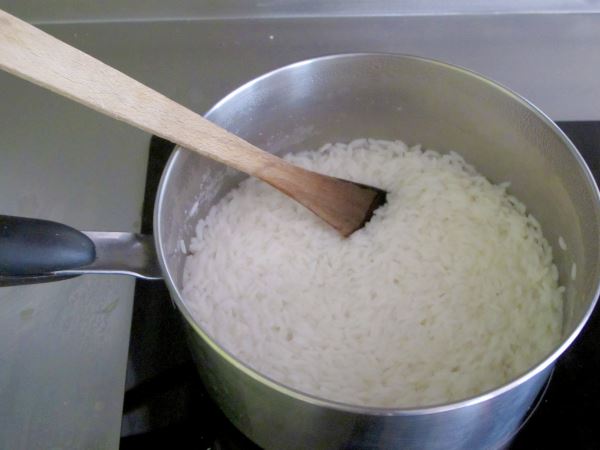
{"x": 562, "y": 244}
{"x": 448, "y": 291}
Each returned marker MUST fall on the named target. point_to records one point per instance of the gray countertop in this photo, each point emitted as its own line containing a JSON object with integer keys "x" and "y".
{"x": 63, "y": 346}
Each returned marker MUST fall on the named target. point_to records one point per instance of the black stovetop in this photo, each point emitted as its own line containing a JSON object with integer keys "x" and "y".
{"x": 166, "y": 406}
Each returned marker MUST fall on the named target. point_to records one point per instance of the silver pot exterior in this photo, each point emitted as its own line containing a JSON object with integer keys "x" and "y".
{"x": 345, "y": 97}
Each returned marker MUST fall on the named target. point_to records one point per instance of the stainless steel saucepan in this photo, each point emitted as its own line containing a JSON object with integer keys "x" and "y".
{"x": 340, "y": 98}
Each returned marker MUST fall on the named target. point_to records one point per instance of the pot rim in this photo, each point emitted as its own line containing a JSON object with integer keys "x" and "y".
{"x": 347, "y": 407}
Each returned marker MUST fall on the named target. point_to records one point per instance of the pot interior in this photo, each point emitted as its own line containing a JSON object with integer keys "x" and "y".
{"x": 445, "y": 108}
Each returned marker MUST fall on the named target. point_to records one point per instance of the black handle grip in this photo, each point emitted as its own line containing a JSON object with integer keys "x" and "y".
{"x": 35, "y": 246}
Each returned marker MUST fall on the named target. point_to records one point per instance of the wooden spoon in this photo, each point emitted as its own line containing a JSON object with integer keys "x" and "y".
{"x": 29, "y": 53}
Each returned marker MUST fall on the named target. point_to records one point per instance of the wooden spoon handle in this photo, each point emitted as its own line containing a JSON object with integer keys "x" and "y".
{"x": 29, "y": 53}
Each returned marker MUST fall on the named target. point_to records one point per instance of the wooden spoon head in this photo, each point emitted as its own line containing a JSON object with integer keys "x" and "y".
{"x": 370, "y": 195}
{"x": 345, "y": 205}
{"x": 352, "y": 206}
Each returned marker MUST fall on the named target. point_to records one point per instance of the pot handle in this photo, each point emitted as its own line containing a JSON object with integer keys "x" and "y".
{"x": 35, "y": 251}
{"x": 34, "y": 246}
